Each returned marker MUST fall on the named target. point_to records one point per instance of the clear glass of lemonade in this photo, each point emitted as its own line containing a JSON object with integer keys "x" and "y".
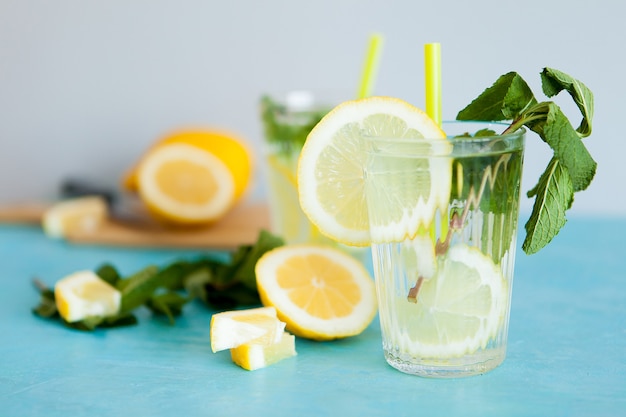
{"x": 444, "y": 273}
{"x": 287, "y": 120}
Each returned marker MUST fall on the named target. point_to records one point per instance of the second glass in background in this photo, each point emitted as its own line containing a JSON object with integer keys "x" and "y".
{"x": 287, "y": 120}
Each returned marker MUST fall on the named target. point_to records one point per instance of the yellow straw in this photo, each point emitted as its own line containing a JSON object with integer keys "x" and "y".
{"x": 432, "y": 59}
{"x": 371, "y": 65}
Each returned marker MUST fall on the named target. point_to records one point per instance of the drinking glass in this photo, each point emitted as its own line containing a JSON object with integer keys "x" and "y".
{"x": 443, "y": 219}
{"x": 287, "y": 120}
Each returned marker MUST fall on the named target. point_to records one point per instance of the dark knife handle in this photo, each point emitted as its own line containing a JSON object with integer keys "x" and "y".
{"x": 73, "y": 188}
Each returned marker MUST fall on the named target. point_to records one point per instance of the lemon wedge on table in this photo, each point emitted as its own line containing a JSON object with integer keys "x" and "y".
{"x": 320, "y": 292}
{"x": 84, "y": 294}
{"x": 82, "y": 213}
{"x": 331, "y": 182}
{"x": 255, "y": 337}
{"x": 254, "y": 355}
{"x": 230, "y": 329}
{"x": 192, "y": 176}
{"x": 457, "y": 311}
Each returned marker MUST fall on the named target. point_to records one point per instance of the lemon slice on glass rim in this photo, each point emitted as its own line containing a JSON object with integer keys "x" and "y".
{"x": 331, "y": 180}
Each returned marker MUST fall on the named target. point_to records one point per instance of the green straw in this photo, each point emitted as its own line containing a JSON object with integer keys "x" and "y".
{"x": 432, "y": 60}
{"x": 371, "y": 65}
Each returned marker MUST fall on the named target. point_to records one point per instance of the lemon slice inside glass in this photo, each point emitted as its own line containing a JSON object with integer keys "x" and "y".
{"x": 458, "y": 311}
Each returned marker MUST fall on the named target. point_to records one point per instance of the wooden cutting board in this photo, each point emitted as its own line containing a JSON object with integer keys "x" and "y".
{"x": 239, "y": 227}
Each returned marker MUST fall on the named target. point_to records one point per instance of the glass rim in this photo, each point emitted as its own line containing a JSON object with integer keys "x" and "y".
{"x": 456, "y": 137}
{"x": 306, "y": 100}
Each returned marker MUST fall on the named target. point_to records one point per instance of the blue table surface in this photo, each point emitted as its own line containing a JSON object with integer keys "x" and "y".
{"x": 566, "y": 353}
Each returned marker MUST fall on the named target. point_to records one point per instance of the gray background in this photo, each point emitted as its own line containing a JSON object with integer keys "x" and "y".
{"x": 86, "y": 86}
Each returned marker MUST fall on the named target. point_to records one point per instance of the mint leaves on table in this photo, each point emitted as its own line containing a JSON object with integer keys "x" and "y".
{"x": 165, "y": 291}
{"x": 227, "y": 285}
{"x": 571, "y": 168}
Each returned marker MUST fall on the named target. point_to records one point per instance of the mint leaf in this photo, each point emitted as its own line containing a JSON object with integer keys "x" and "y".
{"x": 47, "y": 307}
{"x": 571, "y": 169}
{"x": 226, "y": 298}
{"x": 556, "y": 130}
{"x": 119, "y": 320}
{"x": 108, "y": 273}
{"x": 555, "y": 81}
{"x": 245, "y": 258}
{"x": 169, "y": 303}
{"x": 509, "y": 96}
{"x": 554, "y": 195}
{"x": 137, "y": 288}
{"x": 91, "y": 323}
{"x": 231, "y": 284}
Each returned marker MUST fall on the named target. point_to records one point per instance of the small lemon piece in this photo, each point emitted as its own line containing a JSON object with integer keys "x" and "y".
{"x": 230, "y": 329}
{"x": 252, "y": 356}
{"x": 83, "y": 213}
{"x": 84, "y": 294}
{"x": 255, "y": 337}
{"x": 321, "y": 292}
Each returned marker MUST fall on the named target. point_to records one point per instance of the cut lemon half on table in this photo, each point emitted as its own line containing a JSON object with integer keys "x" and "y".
{"x": 331, "y": 181}
{"x": 84, "y": 294}
{"x": 192, "y": 177}
{"x": 458, "y": 310}
{"x": 320, "y": 292}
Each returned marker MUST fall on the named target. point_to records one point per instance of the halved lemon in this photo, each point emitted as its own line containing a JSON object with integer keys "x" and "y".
{"x": 84, "y": 294}
{"x": 331, "y": 171}
{"x": 229, "y": 148}
{"x": 185, "y": 184}
{"x": 320, "y": 292}
{"x": 192, "y": 176}
{"x": 231, "y": 329}
{"x": 459, "y": 310}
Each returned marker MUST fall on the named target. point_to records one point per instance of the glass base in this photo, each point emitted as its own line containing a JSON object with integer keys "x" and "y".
{"x": 464, "y": 366}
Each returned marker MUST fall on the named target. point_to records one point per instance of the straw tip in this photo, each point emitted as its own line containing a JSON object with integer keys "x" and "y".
{"x": 376, "y": 37}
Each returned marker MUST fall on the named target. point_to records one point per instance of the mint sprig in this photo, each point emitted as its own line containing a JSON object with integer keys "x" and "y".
{"x": 571, "y": 168}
